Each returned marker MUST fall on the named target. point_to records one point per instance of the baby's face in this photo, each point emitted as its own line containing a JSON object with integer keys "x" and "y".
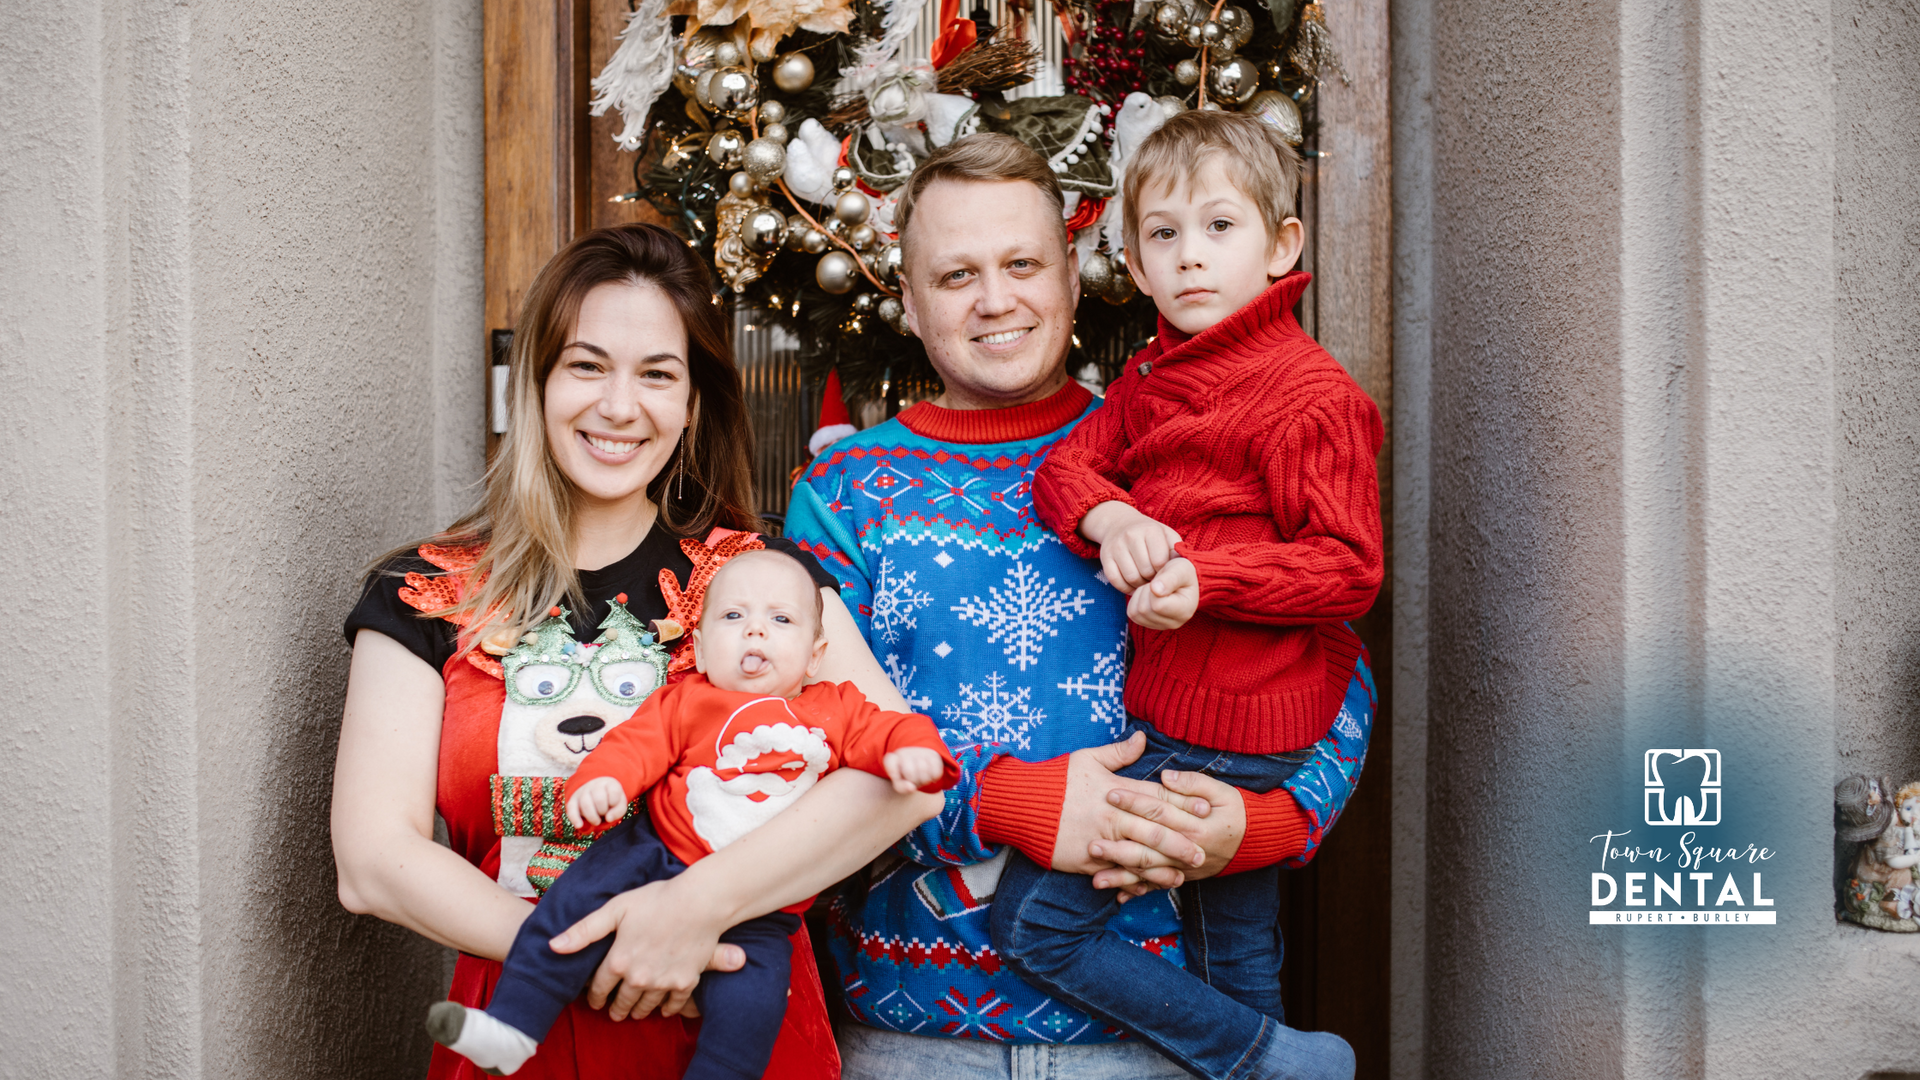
{"x": 758, "y": 629}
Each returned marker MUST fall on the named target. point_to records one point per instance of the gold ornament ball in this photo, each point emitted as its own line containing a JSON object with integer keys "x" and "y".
{"x": 763, "y": 230}
{"x": 731, "y": 91}
{"x": 843, "y": 178}
{"x": 894, "y": 314}
{"x": 862, "y": 237}
{"x": 797, "y": 230}
{"x": 1187, "y": 72}
{"x": 726, "y": 148}
{"x": 1169, "y": 21}
{"x": 864, "y": 303}
{"x": 1171, "y": 106}
{"x": 1120, "y": 288}
{"x": 793, "y": 72}
{"x": 852, "y": 207}
{"x": 740, "y": 184}
{"x": 1234, "y": 81}
{"x": 764, "y": 159}
{"x": 1279, "y": 110}
{"x": 1096, "y": 273}
{"x": 887, "y": 264}
{"x": 772, "y": 112}
{"x": 775, "y": 131}
{"x": 726, "y": 55}
{"x": 813, "y": 242}
{"x": 836, "y": 272}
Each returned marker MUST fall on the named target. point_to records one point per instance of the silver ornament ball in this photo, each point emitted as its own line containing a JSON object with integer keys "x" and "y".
{"x": 836, "y": 272}
{"x": 1211, "y": 32}
{"x": 1096, "y": 273}
{"x": 887, "y": 264}
{"x": 1234, "y": 81}
{"x": 852, "y": 207}
{"x": 894, "y": 314}
{"x": 1168, "y": 23}
{"x": 772, "y": 112}
{"x": 763, "y": 230}
{"x": 775, "y": 131}
{"x": 797, "y": 230}
{"x": 862, "y": 237}
{"x": 1237, "y": 23}
{"x": 1171, "y": 106}
{"x": 793, "y": 72}
{"x": 864, "y": 303}
{"x": 740, "y": 184}
{"x": 843, "y": 178}
{"x": 1187, "y": 72}
{"x": 726, "y": 147}
{"x": 1191, "y": 36}
{"x": 1279, "y": 110}
{"x": 764, "y": 159}
{"x": 726, "y": 55}
{"x": 813, "y": 242}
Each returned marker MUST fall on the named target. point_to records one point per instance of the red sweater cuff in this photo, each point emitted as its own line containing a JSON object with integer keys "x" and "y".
{"x": 1019, "y": 803}
{"x": 1277, "y": 829}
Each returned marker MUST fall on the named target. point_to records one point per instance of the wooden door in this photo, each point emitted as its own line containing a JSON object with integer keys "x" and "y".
{"x": 553, "y": 171}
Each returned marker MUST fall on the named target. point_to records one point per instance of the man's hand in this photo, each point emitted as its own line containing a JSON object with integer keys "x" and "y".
{"x": 1097, "y": 834}
{"x": 1133, "y": 546}
{"x": 598, "y": 801}
{"x": 1169, "y": 600}
{"x": 1218, "y": 827}
{"x": 912, "y": 768}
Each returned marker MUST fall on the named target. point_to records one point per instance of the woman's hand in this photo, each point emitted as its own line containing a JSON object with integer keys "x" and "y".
{"x": 661, "y": 944}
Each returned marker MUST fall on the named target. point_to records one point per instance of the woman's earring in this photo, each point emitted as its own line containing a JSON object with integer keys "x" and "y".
{"x": 679, "y": 471}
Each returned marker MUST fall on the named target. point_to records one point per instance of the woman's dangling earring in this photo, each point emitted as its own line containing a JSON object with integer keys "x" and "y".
{"x": 679, "y": 470}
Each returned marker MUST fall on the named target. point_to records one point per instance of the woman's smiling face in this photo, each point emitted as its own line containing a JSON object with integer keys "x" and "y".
{"x": 617, "y": 398}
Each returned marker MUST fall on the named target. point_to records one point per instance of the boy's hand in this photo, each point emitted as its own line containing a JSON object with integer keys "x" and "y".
{"x": 1133, "y": 546}
{"x": 598, "y": 801}
{"x": 1169, "y": 600}
{"x": 912, "y": 768}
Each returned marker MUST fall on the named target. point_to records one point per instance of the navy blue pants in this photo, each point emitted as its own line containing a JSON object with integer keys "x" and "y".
{"x": 743, "y": 1009}
{"x": 1050, "y": 927}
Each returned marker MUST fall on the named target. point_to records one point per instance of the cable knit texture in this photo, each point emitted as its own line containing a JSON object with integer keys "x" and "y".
{"x": 1019, "y": 804}
{"x": 1256, "y": 446}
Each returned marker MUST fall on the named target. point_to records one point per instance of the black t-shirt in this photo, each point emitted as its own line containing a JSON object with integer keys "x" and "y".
{"x": 637, "y": 574}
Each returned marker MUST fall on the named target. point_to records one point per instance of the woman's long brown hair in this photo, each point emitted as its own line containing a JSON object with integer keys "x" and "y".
{"x": 526, "y": 518}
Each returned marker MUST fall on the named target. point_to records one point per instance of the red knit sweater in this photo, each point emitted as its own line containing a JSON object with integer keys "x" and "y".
{"x": 1252, "y": 443}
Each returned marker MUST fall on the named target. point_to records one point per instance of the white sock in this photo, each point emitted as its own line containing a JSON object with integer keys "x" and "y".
{"x": 496, "y": 1046}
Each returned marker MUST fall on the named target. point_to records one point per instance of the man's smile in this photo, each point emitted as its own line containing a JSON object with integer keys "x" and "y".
{"x": 1004, "y": 337}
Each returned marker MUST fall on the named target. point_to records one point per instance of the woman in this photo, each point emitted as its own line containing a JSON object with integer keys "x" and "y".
{"x": 627, "y": 434}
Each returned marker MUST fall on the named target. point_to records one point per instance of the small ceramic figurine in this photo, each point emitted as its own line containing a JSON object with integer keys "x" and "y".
{"x": 1877, "y": 888}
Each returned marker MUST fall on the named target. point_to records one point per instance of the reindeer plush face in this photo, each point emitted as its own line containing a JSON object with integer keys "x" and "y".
{"x": 563, "y": 697}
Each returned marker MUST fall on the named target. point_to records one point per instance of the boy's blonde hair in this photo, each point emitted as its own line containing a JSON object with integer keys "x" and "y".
{"x": 1255, "y": 158}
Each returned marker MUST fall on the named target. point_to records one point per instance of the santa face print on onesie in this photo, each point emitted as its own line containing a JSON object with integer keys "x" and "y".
{"x": 765, "y": 759}
{"x": 562, "y": 699}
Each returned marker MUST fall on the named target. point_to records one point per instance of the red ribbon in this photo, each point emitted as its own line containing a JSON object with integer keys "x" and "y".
{"x": 957, "y": 35}
{"x": 1086, "y": 213}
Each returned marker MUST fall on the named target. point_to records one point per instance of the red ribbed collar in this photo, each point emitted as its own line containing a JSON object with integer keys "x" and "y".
{"x": 1010, "y": 424}
{"x": 1271, "y": 309}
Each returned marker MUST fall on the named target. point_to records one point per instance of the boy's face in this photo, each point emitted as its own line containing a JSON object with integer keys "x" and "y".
{"x": 1203, "y": 251}
{"x": 758, "y": 630}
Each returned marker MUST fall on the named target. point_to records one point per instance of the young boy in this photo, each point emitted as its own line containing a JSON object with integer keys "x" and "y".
{"x": 716, "y": 754}
{"x": 1227, "y": 485}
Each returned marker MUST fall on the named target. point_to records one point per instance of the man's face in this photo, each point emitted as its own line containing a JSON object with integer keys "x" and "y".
{"x": 990, "y": 287}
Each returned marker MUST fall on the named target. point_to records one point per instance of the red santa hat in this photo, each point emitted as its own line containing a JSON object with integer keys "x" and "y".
{"x": 836, "y": 422}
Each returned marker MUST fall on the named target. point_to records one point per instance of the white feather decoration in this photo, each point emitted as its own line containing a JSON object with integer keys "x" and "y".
{"x": 638, "y": 73}
{"x": 895, "y": 27}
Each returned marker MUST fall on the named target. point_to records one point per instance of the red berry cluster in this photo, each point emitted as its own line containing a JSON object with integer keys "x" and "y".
{"x": 1109, "y": 62}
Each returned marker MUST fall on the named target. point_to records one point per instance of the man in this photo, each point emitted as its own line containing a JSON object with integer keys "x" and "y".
{"x": 1016, "y": 647}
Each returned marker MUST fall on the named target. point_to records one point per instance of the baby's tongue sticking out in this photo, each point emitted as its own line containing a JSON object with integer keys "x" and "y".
{"x": 753, "y": 664}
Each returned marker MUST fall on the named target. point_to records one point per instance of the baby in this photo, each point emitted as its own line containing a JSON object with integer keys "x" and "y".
{"x": 716, "y": 754}
{"x": 1227, "y": 485}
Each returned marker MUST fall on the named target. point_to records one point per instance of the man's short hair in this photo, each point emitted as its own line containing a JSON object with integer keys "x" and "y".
{"x": 1254, "y": 156}
{"x": 984, "y": 158}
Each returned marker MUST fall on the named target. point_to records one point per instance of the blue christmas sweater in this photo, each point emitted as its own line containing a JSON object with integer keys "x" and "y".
{"x": 1015, "y": 646}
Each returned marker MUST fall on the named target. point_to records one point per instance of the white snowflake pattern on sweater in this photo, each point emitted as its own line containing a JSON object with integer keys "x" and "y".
{"x": 1025, "y": 615}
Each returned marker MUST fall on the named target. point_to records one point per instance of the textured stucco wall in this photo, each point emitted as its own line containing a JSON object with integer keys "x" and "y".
{"x": 241, "y": 270}
{"x": 1657, "y": 406}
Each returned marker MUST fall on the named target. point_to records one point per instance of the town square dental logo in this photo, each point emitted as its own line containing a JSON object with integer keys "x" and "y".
{"x": 1682, "y": 789}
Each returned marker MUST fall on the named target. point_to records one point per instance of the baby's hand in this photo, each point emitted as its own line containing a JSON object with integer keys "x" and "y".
{"x": 912, "y": 768}
{"x": 1133, "y": 546}
{"x": 1169, "y": 600}
{"x": 599, "y": 800}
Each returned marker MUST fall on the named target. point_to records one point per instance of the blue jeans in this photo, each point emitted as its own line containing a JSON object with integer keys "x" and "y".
{"x": 1216, "y": 1017}
{"x": 868, "y": 1053}
{"x": 745, "y": 1008}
